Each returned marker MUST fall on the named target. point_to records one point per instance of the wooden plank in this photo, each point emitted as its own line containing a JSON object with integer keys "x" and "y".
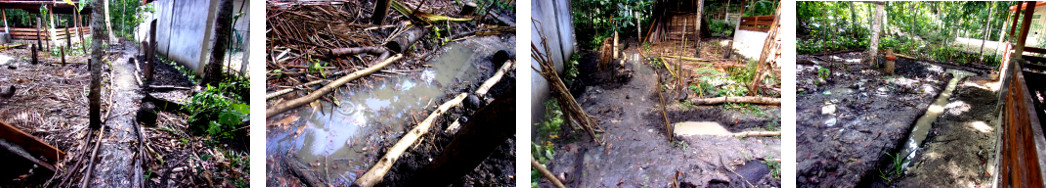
{"x": 31, "y": 144}
{"x": 762, "y": 29}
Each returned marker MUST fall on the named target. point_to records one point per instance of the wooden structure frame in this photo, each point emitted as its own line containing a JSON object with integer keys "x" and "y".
{"x": 1021, "y": 143}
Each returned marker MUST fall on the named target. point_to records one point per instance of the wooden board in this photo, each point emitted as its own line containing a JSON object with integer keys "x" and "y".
{"x": 31, "y": 144}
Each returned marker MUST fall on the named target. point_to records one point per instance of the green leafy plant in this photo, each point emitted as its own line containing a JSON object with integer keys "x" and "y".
{"x": 824, "y": 73}
{"x": 775, "y": 166}
{"x": 896, "y": 167}
{"x": 215, "y": 114}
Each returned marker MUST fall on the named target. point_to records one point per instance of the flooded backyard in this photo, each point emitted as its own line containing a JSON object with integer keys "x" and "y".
{"x": 342, "y": 139}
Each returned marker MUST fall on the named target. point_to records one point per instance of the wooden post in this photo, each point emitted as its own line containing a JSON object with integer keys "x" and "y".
{"x": 150, "y": 51}
{"x": 6, "y": 29}
{"x": 80, "y": 30}
{"x": 68, "y": 42}
{"x": 1025, "y": 25}
{"x": 39, "y": 36}
{"x": 889, "y": 61}
{"x": 34, "y": 49}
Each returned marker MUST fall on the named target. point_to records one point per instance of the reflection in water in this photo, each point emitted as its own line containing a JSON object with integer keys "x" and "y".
{"x": 344, "y": 135}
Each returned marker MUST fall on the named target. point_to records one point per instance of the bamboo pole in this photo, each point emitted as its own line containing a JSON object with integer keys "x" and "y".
{"x": 280, "y": 108}
{"x": 378, "y": 171}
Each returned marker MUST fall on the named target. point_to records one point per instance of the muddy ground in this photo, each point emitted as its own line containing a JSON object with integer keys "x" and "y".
{"x": 960, "y": 148}
{"x": 637, "y": 152}
{"x": 849, "y": 120}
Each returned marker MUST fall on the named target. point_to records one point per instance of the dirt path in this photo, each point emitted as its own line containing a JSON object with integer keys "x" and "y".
{"x": 959, "y": 149}
{"x": 637, "y": 152}
{"x": 115, "y": 165}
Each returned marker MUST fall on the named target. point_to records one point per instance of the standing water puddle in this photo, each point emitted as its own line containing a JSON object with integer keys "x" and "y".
{"x": 925, "y": 122}
{"x": 339, "y": 141}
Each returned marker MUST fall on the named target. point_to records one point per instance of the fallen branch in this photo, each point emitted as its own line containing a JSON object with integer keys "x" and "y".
{"x": 169, "y": 87}
{"x": 545, "y": 173}
{"x": 303, "y": 173}
{"x": 757, "y": 133}
{"x": 378, "y": 171}
{"x": 746, "y": 99}
{"x": 90, "y": 165}
{"x": 282, "y": 107}
{"x": 694, "y": 59}
{"x": 483, "y": 89}
{"x": 353, "y": 51}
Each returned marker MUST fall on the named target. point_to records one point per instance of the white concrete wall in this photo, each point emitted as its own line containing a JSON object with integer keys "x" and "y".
{"x": 749, "y": 43}
{"x": 188, "y": 18}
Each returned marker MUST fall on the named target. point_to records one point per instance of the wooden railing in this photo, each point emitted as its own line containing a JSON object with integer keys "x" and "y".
{"x": 31, "y": 33}
{"x": 757, "y": 23}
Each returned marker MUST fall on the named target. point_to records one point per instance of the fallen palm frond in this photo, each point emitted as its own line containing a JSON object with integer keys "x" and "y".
{"x": 425, "y": 17}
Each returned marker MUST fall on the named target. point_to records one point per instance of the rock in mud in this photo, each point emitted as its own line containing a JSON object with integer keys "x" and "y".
{"x": 828, "y": 109}
{"x": 147, "y": 114}
{"x": 472, "y": 102}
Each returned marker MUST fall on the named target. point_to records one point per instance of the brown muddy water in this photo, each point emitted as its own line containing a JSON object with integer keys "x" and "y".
{"x": 341, "y": 140}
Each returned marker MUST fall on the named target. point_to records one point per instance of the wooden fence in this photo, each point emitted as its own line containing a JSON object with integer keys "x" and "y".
{"x": 31, "y": 33}
{"x": 757, "y": 23}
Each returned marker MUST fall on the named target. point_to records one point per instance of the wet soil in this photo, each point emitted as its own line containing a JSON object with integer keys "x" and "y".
{"x": 838, "y": 147}
{"x": 960, "y": 148}
{"x": 116, "y": 165}
{"x": 637, "y": 152}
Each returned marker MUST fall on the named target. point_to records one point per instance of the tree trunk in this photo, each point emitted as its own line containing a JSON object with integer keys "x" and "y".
{"x": 150, "y": 51}
{"x": 853, "y": 17}
{"x": 95, "y": 65}
{"x": 697, "y": 26}
{"x": 873, "y": 49}
{"x": 988, "y": 25}
{"x": 771, "y": 49}
{"x": 223, "y": 25}
{"x": 108, "y": 23}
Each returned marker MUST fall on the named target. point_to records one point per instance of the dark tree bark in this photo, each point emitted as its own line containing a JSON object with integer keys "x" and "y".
{"x": 222, "y": 29}
{"x": 98, "y": 34}
{"x": 380, "y": 11}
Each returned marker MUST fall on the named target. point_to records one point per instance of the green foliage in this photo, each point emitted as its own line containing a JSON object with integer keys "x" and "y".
{"x": 720, "y": 27}
{"x": 603, "y": 17}
{"x": 775, "y": 166}
{"x": 761, "y": 8}
{"x": 551, "y": 127}
{"x": 217, "y": 112}
{"x": 896, "y": 167}
{"x": 571, "y": 71}
{"x": 824, "y": 73}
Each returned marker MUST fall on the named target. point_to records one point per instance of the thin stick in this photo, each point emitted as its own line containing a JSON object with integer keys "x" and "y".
{"x": 545, "y": 173}
{"x": 282, "y": 107}
{"x": 90, "y": 165}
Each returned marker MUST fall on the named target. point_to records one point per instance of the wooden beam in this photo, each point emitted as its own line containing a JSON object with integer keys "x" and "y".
{"x": 1025, "y": 26}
